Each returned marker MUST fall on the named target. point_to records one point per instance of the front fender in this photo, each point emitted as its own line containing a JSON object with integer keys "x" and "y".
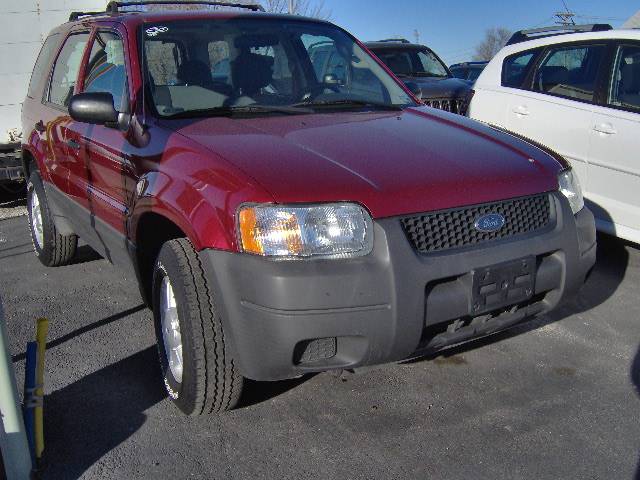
{"x": 204, "y": 209}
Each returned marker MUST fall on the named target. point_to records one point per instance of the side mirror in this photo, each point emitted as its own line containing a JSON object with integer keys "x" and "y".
{"x": 95, "y": 108}
{"x": 415, "y": 89}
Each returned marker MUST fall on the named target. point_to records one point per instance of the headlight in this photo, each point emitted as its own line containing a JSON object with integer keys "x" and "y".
{"x": 570, "y": 188}
{"x": 330, "y": 230}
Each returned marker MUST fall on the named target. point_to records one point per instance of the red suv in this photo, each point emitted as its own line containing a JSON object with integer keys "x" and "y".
{"x": 284, "y": 214}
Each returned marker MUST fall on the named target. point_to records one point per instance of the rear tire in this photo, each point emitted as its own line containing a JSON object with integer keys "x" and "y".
{"x": 199, "y": 372}
{"x": 52, "y": 248}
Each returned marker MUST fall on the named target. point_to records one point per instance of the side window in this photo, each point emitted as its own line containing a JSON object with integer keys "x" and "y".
{"x": 625, "y": 85}
{"x": 43, "y": 62}
{"x": 570, "y": 71}
{"x": 163, "y": 60}
{"x": 341, "y": 69}
{"x": 325, "y": 58}
{"x": 219, "y": 61}
{"x": 65, "y": 72}
{"x": 516, "y": 67}
{"x": 106, "y": 70}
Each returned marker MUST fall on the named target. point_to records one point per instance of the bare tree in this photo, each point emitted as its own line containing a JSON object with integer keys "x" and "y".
{"x": 494, "y": 39}
{"x": 306, "y": 8}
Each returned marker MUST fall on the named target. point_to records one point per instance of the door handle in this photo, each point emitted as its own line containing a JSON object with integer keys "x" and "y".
{"x": 39, "y": 126}
{"x": 605, "y": 128}
{"x": 73, "y": 144}
{"x": 521, "y": 110}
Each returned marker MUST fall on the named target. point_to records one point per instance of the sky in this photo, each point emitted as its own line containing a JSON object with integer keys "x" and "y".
{"x": 453, "y": 28}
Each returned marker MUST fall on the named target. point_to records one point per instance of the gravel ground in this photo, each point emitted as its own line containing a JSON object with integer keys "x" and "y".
{"x": 555, "y": 398}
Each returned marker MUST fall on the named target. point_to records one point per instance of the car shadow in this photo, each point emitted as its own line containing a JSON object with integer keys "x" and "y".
{"x": 85, "y": 254}
{"x": 85, "y": 329}
{"x": 635, "y": 379}
{"x": 255, "y": 392}
{"x": 13, "y": 195}
{"x": 92, "y": 416}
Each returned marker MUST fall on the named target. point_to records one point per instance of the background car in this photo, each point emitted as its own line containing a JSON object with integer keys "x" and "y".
{"x": 469, "y": 71}
{"x": 418, "y": 64}
{"x": 579, "y": 94}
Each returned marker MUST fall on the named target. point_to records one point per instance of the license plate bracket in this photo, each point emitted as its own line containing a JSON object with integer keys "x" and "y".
{"x": 502, "y": 285}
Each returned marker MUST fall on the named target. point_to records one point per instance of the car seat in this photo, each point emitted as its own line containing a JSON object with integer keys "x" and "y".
{"x": 251, "y": 72}
{"x": 630, "y": 84}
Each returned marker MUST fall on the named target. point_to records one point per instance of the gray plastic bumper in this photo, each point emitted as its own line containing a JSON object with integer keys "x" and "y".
{"x": 286, "y": 318}
{"x": 10, "y": 166}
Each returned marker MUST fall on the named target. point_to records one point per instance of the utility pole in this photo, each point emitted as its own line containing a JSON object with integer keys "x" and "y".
{"x": 291, "y": 7}
{"x": 416, "y": 35}
{"x": 565, "y": 18}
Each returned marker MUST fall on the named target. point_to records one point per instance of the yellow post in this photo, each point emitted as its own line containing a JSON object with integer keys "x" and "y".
{"x": 41, "y": 337}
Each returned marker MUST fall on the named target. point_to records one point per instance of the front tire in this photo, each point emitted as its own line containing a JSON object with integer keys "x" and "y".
{"x": 199, "y": 372}
{"x": 52, "y": 248}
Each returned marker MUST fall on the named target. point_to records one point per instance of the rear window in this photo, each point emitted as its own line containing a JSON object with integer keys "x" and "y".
{"x": 43, "y": 62}
{"x": 516, "y": 67}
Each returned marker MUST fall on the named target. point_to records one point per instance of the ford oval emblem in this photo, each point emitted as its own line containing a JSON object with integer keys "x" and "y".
{"x": 491, "y": 222}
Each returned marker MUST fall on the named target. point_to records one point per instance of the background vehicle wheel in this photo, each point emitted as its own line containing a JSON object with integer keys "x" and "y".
{"x": 51, "y": 248}
{"x": 199, "y": 372}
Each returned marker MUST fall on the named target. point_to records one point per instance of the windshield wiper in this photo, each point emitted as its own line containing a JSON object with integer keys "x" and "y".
{"x": 247, "y": 109}
{"x": 349, "y": 103}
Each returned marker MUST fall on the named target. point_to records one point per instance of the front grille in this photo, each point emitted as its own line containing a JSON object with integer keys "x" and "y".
{"x": 453, "y": 105}
{"x": 455, "y": 228}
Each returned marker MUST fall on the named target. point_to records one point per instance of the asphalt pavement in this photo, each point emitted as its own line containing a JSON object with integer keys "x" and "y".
{"x": 557, "y": 398}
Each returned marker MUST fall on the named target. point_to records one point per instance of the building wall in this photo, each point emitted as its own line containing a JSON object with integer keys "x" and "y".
{"x": 24, "y": 24}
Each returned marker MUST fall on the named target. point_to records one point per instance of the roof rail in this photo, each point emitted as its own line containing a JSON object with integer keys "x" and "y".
{"x": 113, "y": 7}
{"x": 534, "y": 33}
{"x": 393, "y": 40}
{"x": 77, "y": 15}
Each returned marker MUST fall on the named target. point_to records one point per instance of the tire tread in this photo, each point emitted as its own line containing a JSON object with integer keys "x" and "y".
{"x": 218, "y": 383}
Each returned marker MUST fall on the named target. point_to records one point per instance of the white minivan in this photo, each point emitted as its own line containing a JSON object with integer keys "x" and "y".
{"x": 578, "y": 94}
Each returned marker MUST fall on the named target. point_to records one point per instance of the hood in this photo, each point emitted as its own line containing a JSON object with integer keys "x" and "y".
{"x": 434, "y": 87}
{"x": 393, "y": 163}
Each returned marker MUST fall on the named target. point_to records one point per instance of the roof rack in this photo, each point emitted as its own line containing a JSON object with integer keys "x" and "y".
{"x": 77, "y": 15}
{"x": 534, "y": 33}
{"x": 114, "y": 7}
{"x": 393, "y": 40}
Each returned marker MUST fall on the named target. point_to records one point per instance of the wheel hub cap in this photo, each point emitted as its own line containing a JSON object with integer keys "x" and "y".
{"x": 36, "y": 219}
{"x": 171, "y": 335}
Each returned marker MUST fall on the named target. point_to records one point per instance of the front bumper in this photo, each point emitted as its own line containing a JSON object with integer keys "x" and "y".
{"x": 11, "y": 166}
{"x": 286, "y": 318}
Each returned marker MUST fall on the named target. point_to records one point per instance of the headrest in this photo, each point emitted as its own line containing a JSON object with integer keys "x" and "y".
{"x": 630, "y": 78}
{"x": 251, "y": 72}
{"x": 553, "y": 75}
{"x": 194, "y": 72}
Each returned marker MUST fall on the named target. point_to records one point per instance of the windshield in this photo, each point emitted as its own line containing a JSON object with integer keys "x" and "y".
{"x": 412, "y": 62}
{"x": 223, "y": 66}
